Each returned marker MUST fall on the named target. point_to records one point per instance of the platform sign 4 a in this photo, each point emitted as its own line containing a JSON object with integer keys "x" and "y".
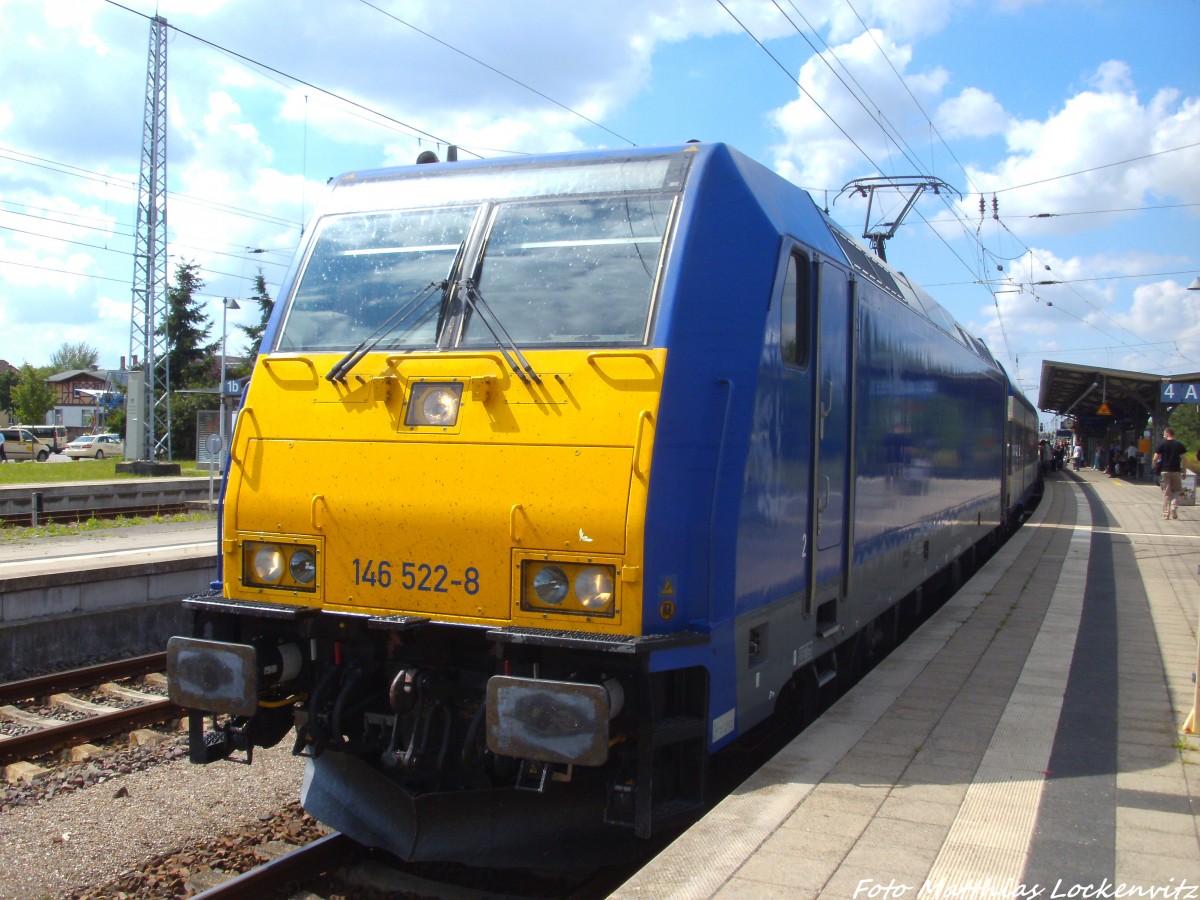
{"x": 1181, "y": 393}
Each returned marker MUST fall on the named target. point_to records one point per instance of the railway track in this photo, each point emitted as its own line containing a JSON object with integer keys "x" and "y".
{"x": 93, "y": 721}
{"x": 304, "y": 864}
{"x": 82, "y": 514}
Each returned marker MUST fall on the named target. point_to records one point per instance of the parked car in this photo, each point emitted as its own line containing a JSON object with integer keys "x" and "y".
{"x": 96, "y": 446}
{"x": 53, "y": 436}
{"x": 20, "y": 443}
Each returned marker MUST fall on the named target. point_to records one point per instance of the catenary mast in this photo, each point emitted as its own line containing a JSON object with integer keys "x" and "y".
{"x": 149, "y": 409}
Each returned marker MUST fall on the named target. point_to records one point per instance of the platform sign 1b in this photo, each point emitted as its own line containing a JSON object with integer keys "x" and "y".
{"x": 1181, "y": 393}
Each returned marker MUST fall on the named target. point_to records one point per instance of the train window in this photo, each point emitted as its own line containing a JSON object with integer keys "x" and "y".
{"x": 794, "y": 336}
{"x": 364, "y": 268}
{"x": 577, "y": 271}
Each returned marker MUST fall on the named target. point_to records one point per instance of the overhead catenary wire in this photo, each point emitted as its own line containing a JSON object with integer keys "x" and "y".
{"x": 857, "y": 146}
{"x": 893, "y": 134}
{"x": 1121, "y": 162}
{"x": 129, "y": 253}
{"x": 796, "y": 81}
{"x": 502, "y": 74}
{"x": 415, "y": 130}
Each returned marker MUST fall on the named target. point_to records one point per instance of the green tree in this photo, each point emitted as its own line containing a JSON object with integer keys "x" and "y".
{"x": 188, "y": 327}
{"x": 114, "y": 421}
{"x": 8, "y": 381}
{"x": 32, "y": 398}
{"x": 183, "y": 421}
{"x": 255, "y": 332}
{"x": 81, "y": 355}
{"x": 1185, "y": 419}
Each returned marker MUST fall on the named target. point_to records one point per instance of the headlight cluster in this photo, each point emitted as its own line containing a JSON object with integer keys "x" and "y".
{"x": 292, "y": 567}
{"x": 581, "y": 589}
{"x": 432, "y": 403}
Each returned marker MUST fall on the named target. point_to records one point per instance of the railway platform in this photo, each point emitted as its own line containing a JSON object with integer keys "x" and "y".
{"x": 64, "y": 600}
{"x": 1025, "y": 742}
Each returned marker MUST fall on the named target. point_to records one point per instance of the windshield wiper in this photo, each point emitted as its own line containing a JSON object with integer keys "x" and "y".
{"x": 504, "y": 341}
{"x": 343, "y": 366}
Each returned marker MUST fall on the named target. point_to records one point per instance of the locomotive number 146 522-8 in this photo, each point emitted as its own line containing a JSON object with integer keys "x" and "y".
{"x": 412, "y": 576}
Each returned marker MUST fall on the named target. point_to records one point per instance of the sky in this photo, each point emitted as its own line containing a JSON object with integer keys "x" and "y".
{"x": 1068, "y": 131}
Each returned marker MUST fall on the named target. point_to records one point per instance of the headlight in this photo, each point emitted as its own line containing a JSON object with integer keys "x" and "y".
{"x": 434, "y": 404}
{"x": 267, "y": 564}
{"x": 576, "y": 588}
{"x": 594, "y": 588}
{"x": 551, "y": 585}
{"x": 303, "y": 566}
{"x": 270, "y": 564}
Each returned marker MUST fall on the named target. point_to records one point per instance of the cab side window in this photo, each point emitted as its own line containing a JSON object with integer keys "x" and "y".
{"x": 794, "y": 334}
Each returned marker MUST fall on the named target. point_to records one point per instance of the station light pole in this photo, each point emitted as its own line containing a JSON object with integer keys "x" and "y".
{"x": 1191, "y": 725}
{"x": 228, "y": 304}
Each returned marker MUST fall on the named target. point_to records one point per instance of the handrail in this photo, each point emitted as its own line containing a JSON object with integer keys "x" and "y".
{"x": 492, "y": 356}
{"x": 512, "y": 522}
{"x": 268, "y": 361}
{"x": 622, "y": 354}
{"x": 643, "y": 417}
{"x": 246, "y": 412}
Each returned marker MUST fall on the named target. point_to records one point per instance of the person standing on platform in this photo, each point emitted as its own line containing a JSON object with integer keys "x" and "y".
{"x": 1168, "y": 459}
{"x": 1077, "y": 456}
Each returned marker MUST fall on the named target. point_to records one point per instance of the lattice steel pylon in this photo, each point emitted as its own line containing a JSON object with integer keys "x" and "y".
{"x": 148, "y": 338}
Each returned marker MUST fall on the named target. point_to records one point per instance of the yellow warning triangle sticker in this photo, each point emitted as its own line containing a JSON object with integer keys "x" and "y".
{"x": 668, "y": 589}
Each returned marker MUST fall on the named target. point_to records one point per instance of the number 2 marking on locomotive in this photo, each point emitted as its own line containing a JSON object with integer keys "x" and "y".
{"x": 414, "y": 576}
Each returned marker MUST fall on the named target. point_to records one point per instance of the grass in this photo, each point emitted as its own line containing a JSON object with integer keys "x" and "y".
{"x": 14, "y": 534}
{"x": 76, "y": 470}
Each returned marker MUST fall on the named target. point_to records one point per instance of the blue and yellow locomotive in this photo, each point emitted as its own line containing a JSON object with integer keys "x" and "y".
{"x": 557, "y": 474}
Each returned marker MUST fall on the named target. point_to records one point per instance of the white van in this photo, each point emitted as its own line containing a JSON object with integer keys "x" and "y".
{"x": 20, "y": 443}
{"x": 54, "y": 436}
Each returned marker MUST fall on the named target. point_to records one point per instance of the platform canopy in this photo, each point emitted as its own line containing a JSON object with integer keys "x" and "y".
{"x": 1102, "y": 399}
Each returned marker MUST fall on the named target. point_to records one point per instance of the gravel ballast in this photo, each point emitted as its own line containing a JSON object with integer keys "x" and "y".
{"x": 87, "y": 837}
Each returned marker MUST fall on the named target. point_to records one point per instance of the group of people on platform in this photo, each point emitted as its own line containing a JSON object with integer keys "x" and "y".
{"x": 1169, "y": 463}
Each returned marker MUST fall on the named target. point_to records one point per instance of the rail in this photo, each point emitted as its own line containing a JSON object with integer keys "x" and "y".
{"x": 302, "y": 864}
{"x": 69, "y": 680}
{"x": 80, "y": 499}
{"x": 67, "y": 734}
{"x": 47, "y": 738}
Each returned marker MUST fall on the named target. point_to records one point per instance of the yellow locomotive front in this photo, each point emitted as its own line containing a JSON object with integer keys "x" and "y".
{"x": 433, "y": 519}
{"x": 444, "y": 486}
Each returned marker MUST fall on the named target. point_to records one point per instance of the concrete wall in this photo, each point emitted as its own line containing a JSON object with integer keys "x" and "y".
{"x": 43, "y": 645}
{"x": 94, "y": 590}
{"x": 68, "y": 619}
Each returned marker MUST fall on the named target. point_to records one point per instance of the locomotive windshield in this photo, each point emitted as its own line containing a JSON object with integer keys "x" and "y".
{"x": 363, "y": 268}
{"x": 564, "y": 256}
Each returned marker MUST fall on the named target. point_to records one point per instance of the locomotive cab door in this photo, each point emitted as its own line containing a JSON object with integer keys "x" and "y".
{"x": 833, "y": 447}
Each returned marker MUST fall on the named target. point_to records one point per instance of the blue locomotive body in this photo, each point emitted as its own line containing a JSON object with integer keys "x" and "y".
{"x": 829, "y": 440}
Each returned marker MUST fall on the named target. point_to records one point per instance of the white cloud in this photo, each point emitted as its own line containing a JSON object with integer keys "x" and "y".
{"x": 1067, "y": 159}
{"x": 972, "y": 113}
{"x": 816, "y": 150}
{"x": 1113, "y": 76}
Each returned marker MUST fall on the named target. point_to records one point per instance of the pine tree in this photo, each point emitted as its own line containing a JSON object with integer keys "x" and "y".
{"x": 255, "y": 332}
{"x": 187, "y": 329}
